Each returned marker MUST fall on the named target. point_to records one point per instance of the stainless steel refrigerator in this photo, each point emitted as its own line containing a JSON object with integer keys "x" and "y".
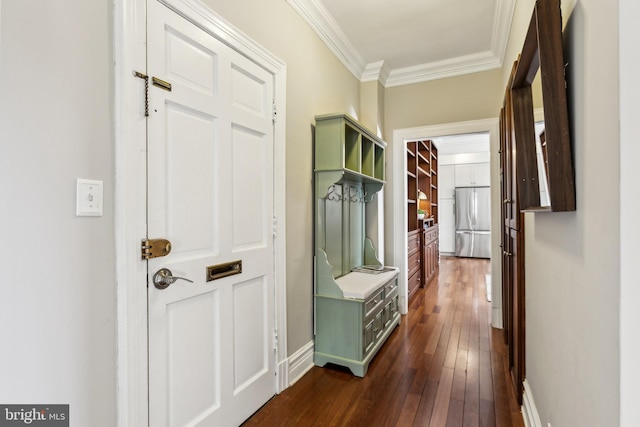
{"x": 473, "y": 222}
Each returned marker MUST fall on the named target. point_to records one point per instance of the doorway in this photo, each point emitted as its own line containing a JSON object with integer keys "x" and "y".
{"x": 131, "y": 209}
{"x": 396, "y": 211}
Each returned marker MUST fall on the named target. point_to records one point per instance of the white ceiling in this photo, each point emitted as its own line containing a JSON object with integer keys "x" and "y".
{"x": 408, "y": 41}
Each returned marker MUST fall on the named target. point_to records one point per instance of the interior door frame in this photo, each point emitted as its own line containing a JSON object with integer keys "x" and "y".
{"x": 130, "y": 194}
{"x": 398, "y": 213}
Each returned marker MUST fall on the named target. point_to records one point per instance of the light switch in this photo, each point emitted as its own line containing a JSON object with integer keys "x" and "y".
{"x": 88, "y": 197}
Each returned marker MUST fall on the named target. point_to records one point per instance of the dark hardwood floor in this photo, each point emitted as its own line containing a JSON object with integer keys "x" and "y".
{"x": 443, "y": 366}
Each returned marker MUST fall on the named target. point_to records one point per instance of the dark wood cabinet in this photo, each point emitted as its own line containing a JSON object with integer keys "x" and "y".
{"x": 414, "y": 254}
{"x": 430, "y": 253}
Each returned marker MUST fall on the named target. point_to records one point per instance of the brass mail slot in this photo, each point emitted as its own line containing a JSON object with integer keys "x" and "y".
{"x": 161, "y": 83}
{"x": 223, "y": 270}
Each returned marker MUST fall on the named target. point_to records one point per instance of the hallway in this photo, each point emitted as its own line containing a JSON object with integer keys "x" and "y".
{"x": 443, "y": 366}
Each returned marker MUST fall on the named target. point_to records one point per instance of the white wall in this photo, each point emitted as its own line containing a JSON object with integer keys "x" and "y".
{"x": 572, "y": 259}
{"x": 57, "y": 304}
{"x": 629, "y": 11}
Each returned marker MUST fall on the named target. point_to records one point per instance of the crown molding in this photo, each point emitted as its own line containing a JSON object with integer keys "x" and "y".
{"x": 442, "y": 69}
{"x": 376, "y": 71}
{"x": 321, "y": 21}
{"x": 502, "y": 28}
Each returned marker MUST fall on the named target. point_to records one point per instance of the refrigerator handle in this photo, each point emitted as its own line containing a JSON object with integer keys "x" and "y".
{"x": 475, "y": 209}
{"x": 470, "y": 210}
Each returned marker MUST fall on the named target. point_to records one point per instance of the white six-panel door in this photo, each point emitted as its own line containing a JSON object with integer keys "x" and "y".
{"x": 210, "y": 192}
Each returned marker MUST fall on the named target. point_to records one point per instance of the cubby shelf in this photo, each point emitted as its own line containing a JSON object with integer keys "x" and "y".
{"x": 347, "y": 145}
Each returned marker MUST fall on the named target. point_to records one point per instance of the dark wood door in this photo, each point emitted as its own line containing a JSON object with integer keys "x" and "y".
{"x": 512, "y": 226}
{"x": 515, "y": 257}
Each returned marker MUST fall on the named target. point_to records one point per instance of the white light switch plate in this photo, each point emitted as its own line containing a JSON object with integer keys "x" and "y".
{"x": 88, "y": 197}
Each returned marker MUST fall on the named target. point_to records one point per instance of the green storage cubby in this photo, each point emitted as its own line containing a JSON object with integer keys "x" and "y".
{"x": 352, "y": 144}
{"x": 378, "y": 166}
{"x": 368, "y": 154}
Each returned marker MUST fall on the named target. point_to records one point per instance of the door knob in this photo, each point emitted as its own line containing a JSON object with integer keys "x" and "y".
{"x": 164, "y": 277}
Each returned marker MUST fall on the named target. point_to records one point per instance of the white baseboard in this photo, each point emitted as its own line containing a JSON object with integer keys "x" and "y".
{"x": 282, "y": 376}
{"x": 529, "y": 410}
{"x": 496, "y": 317}
{"x": 300, "y": 362}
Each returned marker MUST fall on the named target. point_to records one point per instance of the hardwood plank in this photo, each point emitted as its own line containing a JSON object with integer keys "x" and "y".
{"x": 412, "y": 400}
{"x": 460, "y": 376}
{"x": 436, "y": 367}
{"x": 486, "y": 382}
{"x": 434, "y": 338}
{"x": 443, "y": 395}
{"x": 388, "y": 414}
{"x": 501, "y": 397}
{"x": 454, "y": 417}
{"x": 342, "y": 406}
{"x": 472, "y": 392}
{"x": 425, "y": 408}
{"x": 487, "y": 413}
{"x": 452, "y": 347}
{"x": 409, "y": 410}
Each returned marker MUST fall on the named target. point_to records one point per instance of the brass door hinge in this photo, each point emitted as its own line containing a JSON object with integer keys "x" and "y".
{"x": 274, "y": 113}
{"x": 154, "y": 248}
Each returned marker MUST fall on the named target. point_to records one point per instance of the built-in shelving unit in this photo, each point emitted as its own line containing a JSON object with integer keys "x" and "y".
{"x": 422, "y": 194}
{"x": 355, "y": 297}
{"x": 434, "y": 182}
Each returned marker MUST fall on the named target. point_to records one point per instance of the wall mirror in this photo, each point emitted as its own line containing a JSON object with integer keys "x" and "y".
{"x": 544, "y": 148}
{"x": 541, "y": 144}
{"x": 543, "y": 164}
